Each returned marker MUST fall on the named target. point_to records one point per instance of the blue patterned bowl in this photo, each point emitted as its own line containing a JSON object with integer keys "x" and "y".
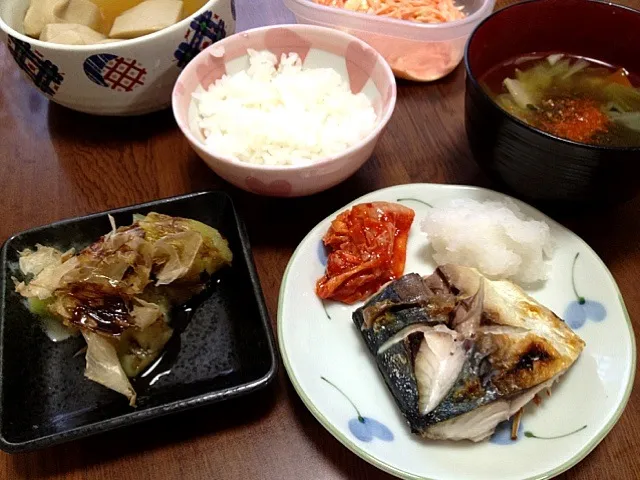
{"x": 128, "y": 77}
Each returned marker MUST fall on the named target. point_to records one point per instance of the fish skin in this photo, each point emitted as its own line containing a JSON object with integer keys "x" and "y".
{"x": 404, "y": 292}
{"x": 468, "y": 426}
{"x": 394, "y": 322}
{"x": 401, "y": 303}
{"x": 473, "y": 389}
{"x": 517, "y": 346}
{"x": 396, "y": 366}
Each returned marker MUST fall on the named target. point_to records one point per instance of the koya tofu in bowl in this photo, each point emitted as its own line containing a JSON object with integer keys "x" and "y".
{"x": 285, "y": 110}
{"x": 111, "y": 57}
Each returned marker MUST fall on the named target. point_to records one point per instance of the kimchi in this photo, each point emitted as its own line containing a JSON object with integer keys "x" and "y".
{"x": 367, "y": 247}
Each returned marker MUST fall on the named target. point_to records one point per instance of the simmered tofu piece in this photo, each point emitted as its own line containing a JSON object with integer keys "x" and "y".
{"x": 41, "y": 13}
{"x": 45, "y": 12}
{"x": 147, "y": 17}
{"x": 70, "y": 34}
{"x": 83, "y": 12}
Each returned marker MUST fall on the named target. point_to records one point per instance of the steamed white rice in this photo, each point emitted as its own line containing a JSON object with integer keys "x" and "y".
{"x": 494, "y": 237}
{"x": 284, "y": 114}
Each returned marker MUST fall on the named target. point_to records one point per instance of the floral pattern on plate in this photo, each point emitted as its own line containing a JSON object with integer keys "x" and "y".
{"x": 364, "y": 429}
{"x": 580, "y": 310}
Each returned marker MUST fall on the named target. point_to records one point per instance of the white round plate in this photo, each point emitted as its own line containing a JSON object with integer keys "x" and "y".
{"x": 337, "y": 378}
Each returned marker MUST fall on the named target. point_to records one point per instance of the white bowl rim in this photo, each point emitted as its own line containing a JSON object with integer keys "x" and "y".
{"x": 384, "y": 118}
{"x": 102, "y": 46}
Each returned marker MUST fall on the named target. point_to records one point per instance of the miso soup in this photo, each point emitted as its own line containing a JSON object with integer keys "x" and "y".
{"x": 570, "y": 97}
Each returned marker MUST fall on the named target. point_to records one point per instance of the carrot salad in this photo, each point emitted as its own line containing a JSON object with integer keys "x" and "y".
{"x": 425, "y": 11}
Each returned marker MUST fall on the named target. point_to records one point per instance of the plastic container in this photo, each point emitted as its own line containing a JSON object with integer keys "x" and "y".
{"x": 415, "y": 51}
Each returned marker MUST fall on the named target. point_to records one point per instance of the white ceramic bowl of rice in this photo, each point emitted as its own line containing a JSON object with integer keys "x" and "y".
{"x": 285, "y": 110}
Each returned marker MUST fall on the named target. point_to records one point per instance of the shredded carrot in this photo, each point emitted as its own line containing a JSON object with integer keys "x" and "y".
{"x": 425, "y": 11}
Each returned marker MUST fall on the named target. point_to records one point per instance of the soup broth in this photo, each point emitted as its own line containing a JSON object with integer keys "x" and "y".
{"x": 111, "y": 9}
{"x": 570, "y": 97}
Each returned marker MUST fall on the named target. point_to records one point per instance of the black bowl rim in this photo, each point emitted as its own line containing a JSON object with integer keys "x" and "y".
{"x": 175, "y": 406}
{"x": 542, "y": 133}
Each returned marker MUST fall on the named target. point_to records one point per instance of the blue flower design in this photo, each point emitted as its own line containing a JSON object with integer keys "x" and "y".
{"x": 364, "y": 429}
{"x": 414, "y": 200}
{"x": 502, "y": 435}
{"x": 562, "y": 435}
{"x": 322, "y": 253}
{"x": 581, "y": 309}
{"x": 322, "y": 256}
{"x": 578, "y": 311}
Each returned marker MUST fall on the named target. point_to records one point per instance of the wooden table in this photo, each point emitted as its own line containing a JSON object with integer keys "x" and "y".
{"x": 55, "y": 163}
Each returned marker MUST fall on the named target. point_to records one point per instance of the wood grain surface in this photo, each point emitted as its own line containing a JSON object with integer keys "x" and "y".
{"x": 55, "y": 163}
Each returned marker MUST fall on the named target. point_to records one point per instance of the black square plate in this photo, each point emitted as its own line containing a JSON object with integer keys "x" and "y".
{"x": 225, "y": 350}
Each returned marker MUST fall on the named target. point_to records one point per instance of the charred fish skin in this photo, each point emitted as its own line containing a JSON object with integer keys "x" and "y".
{"x": 391, "y": 323}
{"x": 402, "y": 306}
{"x": 472, "y": 389}
{"x": 396, "y": 366}
{"x": 403, "y": 292}
{"x": 404, "y": 302}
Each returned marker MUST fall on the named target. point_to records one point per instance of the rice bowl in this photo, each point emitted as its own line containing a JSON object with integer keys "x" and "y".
{"x": 362, "y": 67}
